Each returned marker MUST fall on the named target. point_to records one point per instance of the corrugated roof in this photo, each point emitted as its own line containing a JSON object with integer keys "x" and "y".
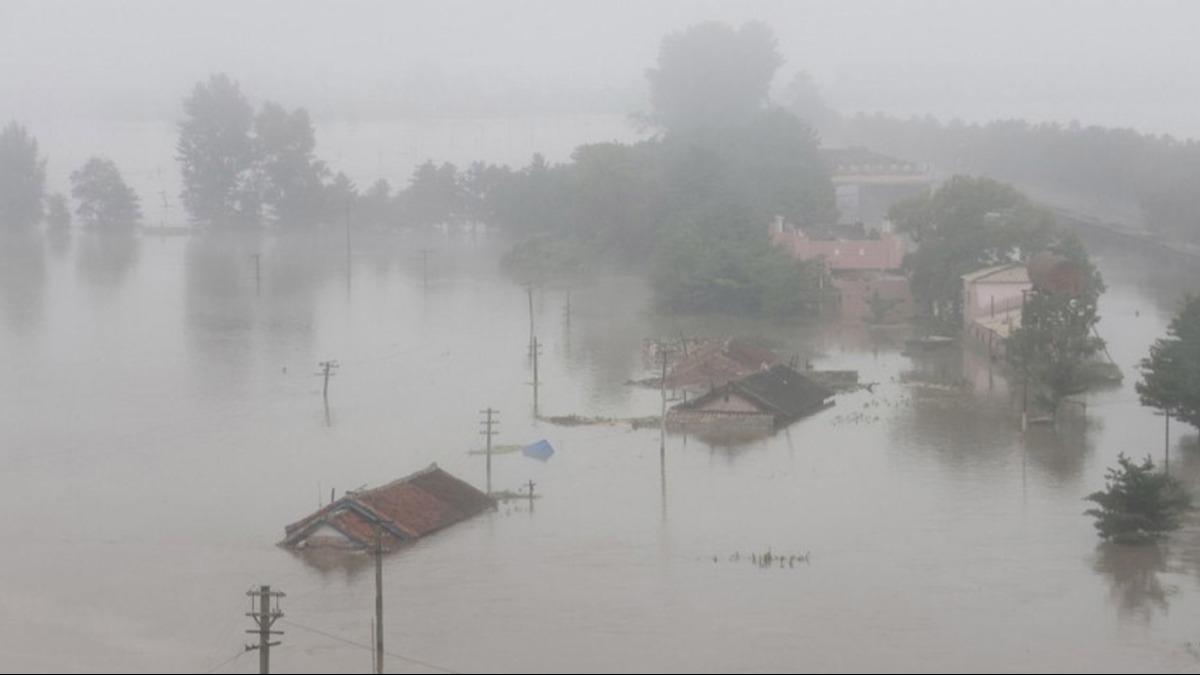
{"x": 407, "y": 508}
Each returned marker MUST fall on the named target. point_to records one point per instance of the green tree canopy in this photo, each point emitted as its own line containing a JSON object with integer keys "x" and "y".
{"x": 1138, "y": 504}
{"x": 217, "y": 155}
{"x": 291, "y": 176}
{"x": 966, "y": 224}
{"x": 22, "y": 178}
{"x": 105, "y": 202}
{"x": 1171, "y": 373}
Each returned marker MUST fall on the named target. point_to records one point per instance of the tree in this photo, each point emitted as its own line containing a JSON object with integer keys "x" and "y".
{"x": 1056, "y": 341}
{"x": 106, "y": 203}
{"x": 22, "y": 178}
{"x": 433, "y": 196}
{"x": 339, "y": 197}
{"x": 217, "y": 155}
{"x": 1171, "y": 373}
{"x": 711, "y": 76}
{"x": 291, "y": 176}
{"x": 1138, "y": 504}
{"x": 966, "y": 224}
{"x": 804, "y": 100}
{"x": 376, "y": 205}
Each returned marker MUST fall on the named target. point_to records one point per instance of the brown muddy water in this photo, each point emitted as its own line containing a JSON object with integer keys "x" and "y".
{"x": 161, "y": 422}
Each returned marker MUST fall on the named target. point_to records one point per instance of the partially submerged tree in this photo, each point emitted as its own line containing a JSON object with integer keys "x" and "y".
{"x": 1138, "y": 504}
{"x": 105, "y": 202}
{"x": 1056, "y": 342}
{"x": 1171, "y": 374}
{"x": 217, "y": 155}
{"x": 290, "y": 174}
{"x": 967, "y": 224}
{"x": 22, "y": 178}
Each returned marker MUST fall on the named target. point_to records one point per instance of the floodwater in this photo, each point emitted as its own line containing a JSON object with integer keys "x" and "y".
{"x": 161, "y": 422}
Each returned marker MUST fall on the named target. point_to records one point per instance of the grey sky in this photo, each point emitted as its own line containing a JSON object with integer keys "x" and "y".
{"x": 1117, "y": 63}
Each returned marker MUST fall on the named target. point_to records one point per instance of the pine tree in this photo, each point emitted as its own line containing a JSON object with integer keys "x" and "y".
{"x": 1138, "y": 504}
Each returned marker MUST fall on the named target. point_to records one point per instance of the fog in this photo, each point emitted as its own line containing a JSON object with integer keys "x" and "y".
{"x": 1119, "y": 63}
{"x": 556, "y": 336}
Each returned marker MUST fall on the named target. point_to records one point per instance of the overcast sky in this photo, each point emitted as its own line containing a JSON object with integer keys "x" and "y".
{"x": 1114, "y": 63}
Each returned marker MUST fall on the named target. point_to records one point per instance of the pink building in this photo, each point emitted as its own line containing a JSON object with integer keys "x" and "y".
{"x": 883, "y": 254}
{"x": 992, "y": 300}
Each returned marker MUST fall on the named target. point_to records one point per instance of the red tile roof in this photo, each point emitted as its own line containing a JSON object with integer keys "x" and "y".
{"x": 404, "y": 509}
{"x": 717, "y": 363}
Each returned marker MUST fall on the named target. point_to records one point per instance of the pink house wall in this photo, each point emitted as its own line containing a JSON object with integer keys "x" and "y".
{"x": 885, "y": 253}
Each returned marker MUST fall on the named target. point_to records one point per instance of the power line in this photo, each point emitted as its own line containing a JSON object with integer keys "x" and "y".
{"x": 226, "y": 662}
{"x": 402, "y": 657}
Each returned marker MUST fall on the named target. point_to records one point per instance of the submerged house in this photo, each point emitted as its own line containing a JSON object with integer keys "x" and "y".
{"x": 401, "y": 511}
{"x": 864, "y": 270}
{"x": 765, "y": 400}
{"x": 716, "y": 363}
{"x": 992, "y": 301}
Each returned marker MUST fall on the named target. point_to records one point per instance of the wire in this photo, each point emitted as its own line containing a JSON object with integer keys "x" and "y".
{"x": 227, "y": 661}
{"x": 360, "y": 645}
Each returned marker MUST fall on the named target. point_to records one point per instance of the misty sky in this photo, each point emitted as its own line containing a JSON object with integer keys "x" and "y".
{"x": 1113, "y": 63}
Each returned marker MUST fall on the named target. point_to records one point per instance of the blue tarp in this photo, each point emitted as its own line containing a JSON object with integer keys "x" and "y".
{"x": 539, "y": 450}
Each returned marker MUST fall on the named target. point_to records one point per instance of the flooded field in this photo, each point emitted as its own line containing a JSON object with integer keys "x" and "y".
{"x": 162, "y": 422}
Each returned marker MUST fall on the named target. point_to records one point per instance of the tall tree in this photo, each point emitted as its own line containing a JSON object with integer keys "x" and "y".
{"x": 291, "y": 176}
{"x": 712, "y": 75}
{"x": 1171, "y": 373}
{"x": 966, "y": 224}
{"x": 105, "y": 202}
{"x": 217, "y": 155}
{"x": 22, "y": 178}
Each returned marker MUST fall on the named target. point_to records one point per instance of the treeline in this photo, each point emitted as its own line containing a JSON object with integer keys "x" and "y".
{"x": 103, "y": 201}
{"x": 1154, "y": 174}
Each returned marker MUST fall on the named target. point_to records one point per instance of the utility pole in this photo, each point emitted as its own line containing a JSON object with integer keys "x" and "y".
{"x": 265, "y": 617}
{"x": 531, "y": 484}
{"x": 425, "y": 266}
{"x": 535, "y": 351}
{"x": 489, "y": 422}
{"x": 327, "y": 368}
{"x": 1025, "y": 384}
{"x": 529, "y": 292}
{"x": 662, "y": 426}
{"x": 378, "y": 600}
{"x": 257, "y": 272}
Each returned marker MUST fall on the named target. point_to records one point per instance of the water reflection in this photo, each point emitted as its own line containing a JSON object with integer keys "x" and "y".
{"x": 1132, "y": 573}
{"x": 22, "y": 278}
{"x": 105, "y": 258}
{"x": 331, "y": 564}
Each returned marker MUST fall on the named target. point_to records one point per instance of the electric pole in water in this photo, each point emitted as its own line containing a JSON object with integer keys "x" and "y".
{"x": 327, "y": 368}
{"x": 663, "y": 352}
{"x": 529, "y": 292}
{"x": 425, "y": 266}
{"x": 489, "y": 422}
{"x": 265, "y": 617}
{"x": 535, "y": 351}
{"x": 378, "y": 600}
